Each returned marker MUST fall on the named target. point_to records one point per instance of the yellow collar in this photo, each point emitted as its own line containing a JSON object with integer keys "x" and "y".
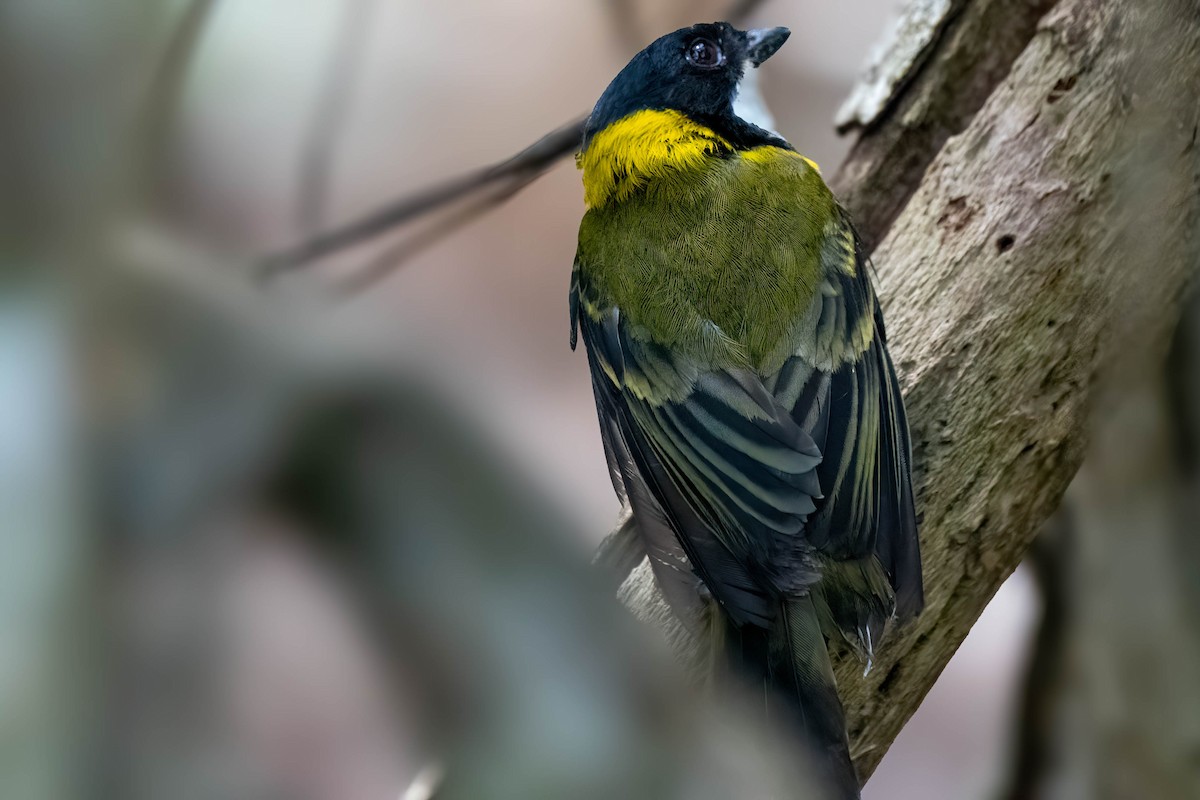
{"x": 641, "y": 147}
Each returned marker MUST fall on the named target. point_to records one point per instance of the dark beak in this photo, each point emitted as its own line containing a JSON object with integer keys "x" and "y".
{"x": 761, "y": 43}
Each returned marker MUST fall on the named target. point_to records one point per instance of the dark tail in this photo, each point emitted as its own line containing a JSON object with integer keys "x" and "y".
{"x": 791, "y": 662}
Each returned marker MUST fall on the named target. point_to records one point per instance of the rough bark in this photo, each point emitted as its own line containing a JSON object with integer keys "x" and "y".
{"x": 895, "y": 60}
{"x": 1046, "y": 250}
{"x": 933, "y": 91}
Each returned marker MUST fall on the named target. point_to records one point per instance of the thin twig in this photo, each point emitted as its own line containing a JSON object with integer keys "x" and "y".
{"x": 329, "y": 116}
{"x": 383, "y": 265}
{"x": 518, "y": 171}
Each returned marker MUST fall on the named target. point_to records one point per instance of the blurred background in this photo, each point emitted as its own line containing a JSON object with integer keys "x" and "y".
{"x": 146, "y": 402}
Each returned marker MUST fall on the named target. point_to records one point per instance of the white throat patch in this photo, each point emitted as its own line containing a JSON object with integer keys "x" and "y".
{"x": 749, "y": 103}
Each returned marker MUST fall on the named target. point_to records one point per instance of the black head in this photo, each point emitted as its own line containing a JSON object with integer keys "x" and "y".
{"x": 695, "y": 71}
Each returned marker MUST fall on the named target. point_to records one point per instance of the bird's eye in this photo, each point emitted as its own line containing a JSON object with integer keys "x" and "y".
{"x": 704, "y": 53}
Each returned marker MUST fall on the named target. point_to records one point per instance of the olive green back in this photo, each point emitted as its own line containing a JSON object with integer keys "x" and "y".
{"x": 736, "y": 243}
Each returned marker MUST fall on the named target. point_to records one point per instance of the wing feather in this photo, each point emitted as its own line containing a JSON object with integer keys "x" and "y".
{"x": 762, "y": 481}
{"x": 727, "y": 466}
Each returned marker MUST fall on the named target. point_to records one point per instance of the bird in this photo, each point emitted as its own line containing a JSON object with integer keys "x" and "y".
{"x": 751, "y": 414}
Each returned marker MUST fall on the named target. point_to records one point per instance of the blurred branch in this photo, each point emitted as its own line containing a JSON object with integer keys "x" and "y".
{"x": 1121, "y": 627}
{"x": 1183, "y": 389}
{"x": 1049, "y": 560}
{"x": 330, "y": 115}
{"x": 1135, "y": 648}
{"x": 161, "y": 106}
